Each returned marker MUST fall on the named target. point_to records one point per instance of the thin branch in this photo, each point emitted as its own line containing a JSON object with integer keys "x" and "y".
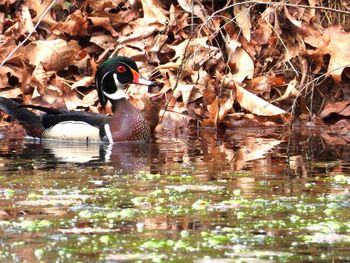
{"x": 277, "y": 3}
{"x": 179, "y": 73}
{"x": 33, "y": 30}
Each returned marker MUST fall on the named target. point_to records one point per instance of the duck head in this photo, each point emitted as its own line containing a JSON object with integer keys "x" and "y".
{"x": 114, "y": 75}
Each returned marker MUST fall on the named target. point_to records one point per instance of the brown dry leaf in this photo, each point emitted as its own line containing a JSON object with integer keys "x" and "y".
{"x": 192, "y": 46}
{"x": 242, "y": 16}
{"x": 6, "y": 46}
{"x": 195, "y": 8}
{"x": 84, "y": 82}
{"x": 69, "y": 96}
{"x": 255, "y": 104}
{"x": 102, "y": 6}
{"x": 124, "y": 17}
{"x": 175, "y": 120}
{"x": 40, "y": 79}
{"x": 17, "y": 27}
{"x": 333, "y": 42}
{"x": 240, "y": 63}
{"x": 290, "y": 92}
{"x": 39, "y": 7}
{"x": 225, "y": 106}
{"x": 14, "y": 73}
{"x": 154, "y": 48}
{"x": 7, "y": 2}
{"x": 77, "y": 25}
{"x": 296, "y": 22}
{"x": 52, "y": 54}
{"x": 27, "y": 19}
{"x": 185, "y": 91}
{"x": 243, "y": 120}
{"x": 341, "y": 108}
{"x": 138, "y": 30}
{"x": 10, "y": 93}
{"x": 103, "y": 41}
{"x": 262, "y": 34}
{"x": 209, "y": 94}
{"x": 258, "y": 85}
{"x": 335, "y": 139}
{"x": 4, "y": 215}
{"x": 197, "y": 51}
{"x": 90, "y": 99}
{"x": 105, "y": 23}
{"x": 153, "y": 12}
{"x": 72, "y": 101}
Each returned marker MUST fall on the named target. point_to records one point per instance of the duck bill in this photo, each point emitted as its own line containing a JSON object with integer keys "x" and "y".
{"x": 137, "y": 79}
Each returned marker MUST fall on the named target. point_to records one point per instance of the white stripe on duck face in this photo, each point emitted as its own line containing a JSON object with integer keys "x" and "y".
{"x": 119, "y": 94}
{"x": 73, "y": 131}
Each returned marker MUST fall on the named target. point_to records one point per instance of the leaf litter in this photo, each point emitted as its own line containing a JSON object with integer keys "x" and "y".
{"x": 221, "y": 64}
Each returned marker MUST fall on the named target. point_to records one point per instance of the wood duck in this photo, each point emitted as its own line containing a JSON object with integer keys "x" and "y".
{"x": 126, "y": 124}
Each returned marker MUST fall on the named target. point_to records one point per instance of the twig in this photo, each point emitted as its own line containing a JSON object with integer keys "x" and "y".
{"x": 285, "y": 47}
{"x": 179, "y": 72}
{"x": 275, "y": 3}
{"x": 31, "y": 32}
{"x": 209, "y": 18}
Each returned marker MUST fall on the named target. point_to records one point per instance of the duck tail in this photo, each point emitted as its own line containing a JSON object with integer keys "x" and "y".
{"x": 29, "y": 120}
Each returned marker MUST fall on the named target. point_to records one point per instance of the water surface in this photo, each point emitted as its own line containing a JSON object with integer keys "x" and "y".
{"x": 248, "y": 195}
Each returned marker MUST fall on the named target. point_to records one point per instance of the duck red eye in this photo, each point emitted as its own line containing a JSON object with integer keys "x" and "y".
{"x": 121, "y": 69}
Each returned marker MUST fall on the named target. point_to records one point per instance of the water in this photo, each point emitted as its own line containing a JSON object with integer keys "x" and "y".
{"x": 230, "y": 197}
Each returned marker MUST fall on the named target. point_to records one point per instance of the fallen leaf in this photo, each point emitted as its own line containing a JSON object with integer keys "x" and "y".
{"x": 255, "y": 104}
{"x": 52, "y": 54}
{"x": 174, "y": 121}
{"x": 84, "y": 82}
{"x": 242, "y": 16}
{"x": 39, "y": 8}
{"x": 105, "y": 23}
{"x": 290, "y": 92}
{"x": 10, "y": 93}
{"x": 241, "y": 64}
{"x": 226, "y": 105}
{"x": 332, "y": 41}
{"x": 138, "y": 30}
{"x": 335, "y": 139}
{"x": 76, "y": 25}
{"x": 196, "y": 8}
{"x": 153, "y": 12}
{"x": 184, "y": 91}
{"x": 103, "y": 41}
{"x": 341, "y": 108}
{"x": 258, "y": 85}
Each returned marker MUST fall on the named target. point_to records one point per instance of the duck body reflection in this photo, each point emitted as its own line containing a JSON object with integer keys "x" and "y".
{"x": 207, "y": 158}
{"x": 128, "y": 156}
